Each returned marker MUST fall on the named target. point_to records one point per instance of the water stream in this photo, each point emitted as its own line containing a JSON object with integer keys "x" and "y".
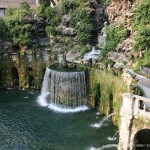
{"x": 99, "y": 125}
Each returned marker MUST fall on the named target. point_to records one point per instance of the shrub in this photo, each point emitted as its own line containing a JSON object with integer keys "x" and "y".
{"x": 114, "y": 36}
{"x": 141, "y": 24}
{"x": 83, "y": 24}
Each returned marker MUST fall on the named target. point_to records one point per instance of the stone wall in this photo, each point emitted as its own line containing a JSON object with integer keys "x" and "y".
{"x": 20, "y": 71}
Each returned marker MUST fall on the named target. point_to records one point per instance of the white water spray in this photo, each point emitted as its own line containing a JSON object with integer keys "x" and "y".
{"x": 42, "y": 99}
{"x": 109, "y": 146}
{"x": 113, "y": 137}
{"x": 98, "y": 125}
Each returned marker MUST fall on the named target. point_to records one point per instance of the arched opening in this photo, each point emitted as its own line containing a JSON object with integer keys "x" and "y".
{"x": 15, "y": 76}
{"x": 30, "y": 77}
{"x": 142, "y": 140}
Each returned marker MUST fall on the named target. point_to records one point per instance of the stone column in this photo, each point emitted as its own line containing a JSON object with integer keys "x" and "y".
{"x": 126, "y": 120}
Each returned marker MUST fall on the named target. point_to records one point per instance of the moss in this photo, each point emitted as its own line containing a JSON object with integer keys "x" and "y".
{"x": 106, "y": 91}
{"x": 6, "y": 73}
{"x": 38, "y": 73}
{"x": 140, "y": 122}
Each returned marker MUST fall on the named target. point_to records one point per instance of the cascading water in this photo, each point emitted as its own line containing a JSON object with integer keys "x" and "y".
{"x": 64, "y": 91}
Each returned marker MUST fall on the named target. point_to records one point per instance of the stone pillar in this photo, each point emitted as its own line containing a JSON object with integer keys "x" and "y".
{"x": 127, "y": 111}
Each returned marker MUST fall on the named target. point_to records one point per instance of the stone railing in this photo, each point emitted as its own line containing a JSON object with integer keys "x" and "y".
{"x": 145, "y": 70}
{"x": 142, "y": 106}
{"x": 133, "y": 107}
{"x": 136, "y": 105}
{"x": 14, "y": 57}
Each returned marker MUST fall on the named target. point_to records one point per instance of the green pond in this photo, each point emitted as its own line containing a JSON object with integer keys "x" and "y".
{"x": 25, "y": 125}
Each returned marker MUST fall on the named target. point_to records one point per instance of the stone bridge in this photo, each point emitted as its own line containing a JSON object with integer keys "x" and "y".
{"x": 134, "y": 133}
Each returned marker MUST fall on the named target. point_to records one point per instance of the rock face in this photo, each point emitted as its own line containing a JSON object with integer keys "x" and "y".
{"x": 6, "y": 45}
{"x": 38, "y": 25}
{"x": 119, "y": 12}
{"x": 66, "y": 30}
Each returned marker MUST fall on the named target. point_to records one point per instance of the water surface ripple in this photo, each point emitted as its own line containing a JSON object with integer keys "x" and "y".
{"x": 24, "y": 125}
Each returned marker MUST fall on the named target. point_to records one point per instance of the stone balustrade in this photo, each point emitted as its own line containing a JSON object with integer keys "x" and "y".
{"x": 133, "y": 107}
{"x": 140, "y": 106}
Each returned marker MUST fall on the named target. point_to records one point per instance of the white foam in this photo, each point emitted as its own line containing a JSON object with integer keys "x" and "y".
{"x": 67, "y": 110}
{"x": 26, "y": 97}
{"x": 42, "y": 101}
{"x": 109, "y": 146}
{"x": 98, "y": 113}
{"x": 111, "y": 138}
{"x": 98, "y": 125}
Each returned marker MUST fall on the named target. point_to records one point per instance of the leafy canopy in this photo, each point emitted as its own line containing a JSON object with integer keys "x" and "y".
{"x": 19, "y": 30}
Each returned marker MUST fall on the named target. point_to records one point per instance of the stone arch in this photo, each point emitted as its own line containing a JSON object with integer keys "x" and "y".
{"x": 15, "y": 76}
{"x": 30, "y": 76}
{"x": 142, "y": 139}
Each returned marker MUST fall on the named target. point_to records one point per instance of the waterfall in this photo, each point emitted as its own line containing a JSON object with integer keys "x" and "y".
{"x": 98, "y": 125}
{"x": 42, "y": 99}
{"x": 64, "y": 91}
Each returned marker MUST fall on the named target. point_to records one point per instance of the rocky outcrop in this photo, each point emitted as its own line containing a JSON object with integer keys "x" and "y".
{"x": 119, "y": 12}
{"x": 66, "y": 30}
{"x": 6, "y": 45}
{"x": 118, "y": 58}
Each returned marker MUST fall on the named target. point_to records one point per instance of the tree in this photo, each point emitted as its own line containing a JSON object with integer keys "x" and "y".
{"x": 3, "y": 30}
{"x": 19, "y": 30}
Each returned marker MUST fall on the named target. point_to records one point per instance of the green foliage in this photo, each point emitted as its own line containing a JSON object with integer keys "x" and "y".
{"x": 6, "y": 65}
{"x": 114, "y": 36}
{"x": 24, "y": 5}
{"x": 141, "y": 24}
{"x": 81, "y": 21}
{"x": 65, "y": 6}
{"x": 19, "y": 30}
{"x": 145, "y": 60}
{"x": 45, "y": 11}
{"x": 102, "y": 2}
{"x": 83, "y": 24}
{"x": 50, "y": 31}
{"x": 4, "y": 33}
{"x": 44, "y": 2}
{"x": 110, "y": 92}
